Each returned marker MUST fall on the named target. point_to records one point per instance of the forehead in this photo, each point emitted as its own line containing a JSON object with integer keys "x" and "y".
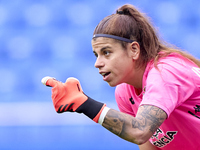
{"x": 100, "y": 42}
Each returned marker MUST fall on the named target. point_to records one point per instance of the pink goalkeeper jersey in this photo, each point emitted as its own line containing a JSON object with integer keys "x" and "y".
{"x": 176, "y": 90}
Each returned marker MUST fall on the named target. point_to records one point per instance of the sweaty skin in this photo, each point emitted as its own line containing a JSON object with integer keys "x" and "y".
{"x": 135, "y": 129}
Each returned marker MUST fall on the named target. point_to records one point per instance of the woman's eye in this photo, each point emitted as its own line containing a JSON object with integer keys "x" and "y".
{"x": 106, "y": 53}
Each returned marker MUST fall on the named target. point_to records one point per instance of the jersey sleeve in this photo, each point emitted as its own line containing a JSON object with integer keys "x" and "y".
{"x": 121, "y": 99}
{"x": 168, "y": 86}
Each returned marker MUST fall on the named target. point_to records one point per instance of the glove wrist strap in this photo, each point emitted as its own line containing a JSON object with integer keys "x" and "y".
{"x": 91, "y": 108}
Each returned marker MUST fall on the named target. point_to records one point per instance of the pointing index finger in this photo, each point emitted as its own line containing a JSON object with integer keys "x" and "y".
{"x": 48, "y": 81}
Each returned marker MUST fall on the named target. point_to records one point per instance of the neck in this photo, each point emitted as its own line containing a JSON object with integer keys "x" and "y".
{"x": 137, "y": 78}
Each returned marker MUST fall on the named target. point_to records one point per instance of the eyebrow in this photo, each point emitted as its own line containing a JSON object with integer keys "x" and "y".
{"x": 103, "y": 48}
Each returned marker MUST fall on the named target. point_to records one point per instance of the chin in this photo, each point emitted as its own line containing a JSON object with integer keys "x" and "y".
{"x": 113, "y": 84}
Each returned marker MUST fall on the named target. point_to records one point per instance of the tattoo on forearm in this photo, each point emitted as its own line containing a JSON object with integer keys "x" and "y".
{"x": 148, "y": 118}
{"x": 113, "y": 122}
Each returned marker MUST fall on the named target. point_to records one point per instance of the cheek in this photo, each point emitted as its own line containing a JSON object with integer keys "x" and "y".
{"x": 120, "y": 63}
{"x": 120, "y": 68}
{"x": 124, "y": 70}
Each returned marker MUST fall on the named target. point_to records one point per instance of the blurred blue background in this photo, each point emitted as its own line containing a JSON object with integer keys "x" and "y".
{"x": 53, "y": 37}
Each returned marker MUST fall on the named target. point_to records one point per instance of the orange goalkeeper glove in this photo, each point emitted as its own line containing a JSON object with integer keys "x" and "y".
{"x": 69, "y": 96}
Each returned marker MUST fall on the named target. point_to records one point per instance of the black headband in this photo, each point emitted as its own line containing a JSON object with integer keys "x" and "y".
{"x": 113, "y": 37}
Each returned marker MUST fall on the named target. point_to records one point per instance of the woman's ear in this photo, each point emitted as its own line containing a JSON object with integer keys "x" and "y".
{"x": 135, "y": 50}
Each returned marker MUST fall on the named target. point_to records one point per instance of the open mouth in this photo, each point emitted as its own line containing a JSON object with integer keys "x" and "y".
{"x": 105, "y": 74}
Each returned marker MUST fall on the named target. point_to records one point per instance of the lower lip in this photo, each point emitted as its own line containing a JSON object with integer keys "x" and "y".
{"x": 106, "y": 77}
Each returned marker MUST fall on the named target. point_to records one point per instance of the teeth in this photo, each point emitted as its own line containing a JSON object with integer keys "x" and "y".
{"x": 103, "y": 74}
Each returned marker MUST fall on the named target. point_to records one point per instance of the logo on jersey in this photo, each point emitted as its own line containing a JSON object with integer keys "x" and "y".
{"x": 196, "y": 110}
{"x": 131, "y": 100}
{"x": 160, "y": 139}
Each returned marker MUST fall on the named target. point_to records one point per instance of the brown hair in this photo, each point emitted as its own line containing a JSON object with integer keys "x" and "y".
{"x": 129, "y": 23}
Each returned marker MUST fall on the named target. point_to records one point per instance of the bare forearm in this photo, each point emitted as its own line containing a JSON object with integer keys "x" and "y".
{"x": 135, "y": 129}
{"x": 119, "y": 124}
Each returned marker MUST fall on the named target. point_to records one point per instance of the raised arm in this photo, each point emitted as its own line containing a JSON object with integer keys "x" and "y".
{"x": 69, "y": 97}
{"x": 135, "y": 129}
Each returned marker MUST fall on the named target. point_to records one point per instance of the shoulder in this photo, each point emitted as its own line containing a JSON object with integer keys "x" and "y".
{"x": 121, "y": 87}
{"x": 173, "y": 66}
{"x": 123, "y": 93}
{"x": 175, "y": 59}
{"x": 120, "y": 91}
{"x": 124, "y": 89}
{"x": 173, "y": 71}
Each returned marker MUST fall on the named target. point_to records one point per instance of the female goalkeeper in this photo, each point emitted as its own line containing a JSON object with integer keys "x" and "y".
{"x": 157, "y": 85}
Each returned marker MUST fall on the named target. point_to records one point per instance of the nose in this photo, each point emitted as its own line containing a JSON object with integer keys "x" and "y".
{"x": 99, "y": 63}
